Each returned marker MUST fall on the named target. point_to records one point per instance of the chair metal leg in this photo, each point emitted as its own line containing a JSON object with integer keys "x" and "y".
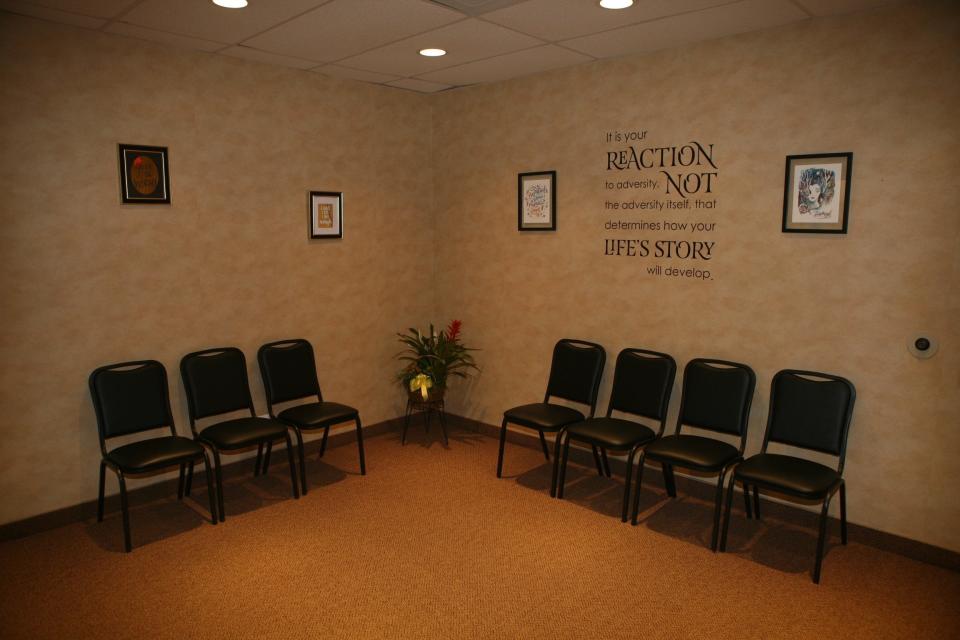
{"x": 219, "y": 474}
{"x": 718, "y": 502}
{"x": 626, "y": 484}
{"x": 556, "y": 462}
{"x": 293, "y": 467}
{"x": 726, "y": 514}
{"x": 746, "y": 501}
{"x": 323, "y": 441}
{"x": 562, "y": 480}
{"x": 669, "y": 482}
{"x": 266, "y": 457}
{"x": 189, "y": 487}
{"x": 303, "y": 462}
{"x": 543, "y": 444}
{"x": 210, "y": 490}
{"x": 443, "y": 426}
{"x": 257, "y": 465}
{"x": 103, "y": 471}
{"x": 606, "y": 463}
{"x": 503, "y": 439}
{"x": 125, "y": 510}
{"x": 181, "y": 481}
{"x": 596, "y": 460}
{"x": 636, "y": 490}
{"x": 843, "y": 513}
{"x": 756, "y": 501}
{"x": 821, "y": 539}
{"x": 363, "y": 461}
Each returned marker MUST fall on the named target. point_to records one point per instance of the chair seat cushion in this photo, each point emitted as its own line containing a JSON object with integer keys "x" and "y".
{"x": 791, "y": 475}
{"x": 693, "y": 452}
{"x": 543, "y": 416}
{"x": 243, "y": 432}
{"x": 612, "y": 433}
{"x": 155, "y": 453}
{"x": 317, "y": 414}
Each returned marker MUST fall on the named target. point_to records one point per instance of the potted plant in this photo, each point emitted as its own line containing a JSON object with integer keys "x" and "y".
{"x": 431, "y": 358}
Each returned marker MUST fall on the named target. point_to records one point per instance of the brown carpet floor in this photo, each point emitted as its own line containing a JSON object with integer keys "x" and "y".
{"x": 431, "y": 545}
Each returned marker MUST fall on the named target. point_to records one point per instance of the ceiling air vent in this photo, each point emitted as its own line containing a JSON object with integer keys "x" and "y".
{"x": 477, "y": 7}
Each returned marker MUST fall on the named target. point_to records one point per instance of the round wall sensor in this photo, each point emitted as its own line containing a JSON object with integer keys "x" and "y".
{"x": 922, "y": 345}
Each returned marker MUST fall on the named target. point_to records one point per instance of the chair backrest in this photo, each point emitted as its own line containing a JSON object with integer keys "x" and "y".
{"x": 642, "y": 384}
{"x": 288, "y": 370}
{"x": 129, "y": 397}
{"x": 717, "y": 395}
{"x": 575, "y": 372}
{"x": 810, "y": 410}
{"x": 216, "y": 382}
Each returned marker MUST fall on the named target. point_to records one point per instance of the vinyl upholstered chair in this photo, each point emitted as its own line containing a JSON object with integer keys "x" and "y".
{"x": 216, "y": 383}
{"x": 642, "y": 384}
{"x": 808, "y": 410}
{"x": 575, "y": 373}
{"x": 716, "y": 396}
{"x": 131, "y": 398}
{"x": 289, "y": 373}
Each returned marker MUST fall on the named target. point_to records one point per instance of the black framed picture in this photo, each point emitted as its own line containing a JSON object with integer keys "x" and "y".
{"x": 144, "y": 174}
{"x": 537, "y": 201}
{"x": 816, "y": 193}
{"x": 326, "y": 214}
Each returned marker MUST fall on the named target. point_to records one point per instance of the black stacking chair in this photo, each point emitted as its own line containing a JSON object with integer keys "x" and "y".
{"x": 717, "y": 395}
{"x": 289, "y": 373}
{"x": 808, "y": 410}
{"x": 575, "y": 376}
{"x": 132, "y": 397}
{"x": 216, "y": 383}
{"x": 642, "y": 383}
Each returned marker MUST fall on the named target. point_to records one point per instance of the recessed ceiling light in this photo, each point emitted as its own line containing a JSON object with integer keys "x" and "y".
{"x": 231, "y": 4}
{"x": 615, "y": 4}
{"x": 432, "y": 53}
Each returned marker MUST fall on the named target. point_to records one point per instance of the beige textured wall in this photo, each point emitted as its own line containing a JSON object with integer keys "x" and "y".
{"x": 882, "y": 85}
{"x": 86, "y": 281}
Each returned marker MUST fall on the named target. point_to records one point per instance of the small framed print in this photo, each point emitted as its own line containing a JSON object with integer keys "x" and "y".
{"x": 326, "y": 214}
{"x": 816, "y": 196}
{"x": 144, "y": 174}
{"x": 537, "y": 201}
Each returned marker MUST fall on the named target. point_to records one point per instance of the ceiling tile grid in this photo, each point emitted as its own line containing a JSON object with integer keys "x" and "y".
{"x": 378, "y": 41}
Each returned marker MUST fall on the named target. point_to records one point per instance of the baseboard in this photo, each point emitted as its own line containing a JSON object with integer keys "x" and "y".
{"x": 704, "y": 490}
{"x": 164, "y": 488}
{"x": 906, "y": 547}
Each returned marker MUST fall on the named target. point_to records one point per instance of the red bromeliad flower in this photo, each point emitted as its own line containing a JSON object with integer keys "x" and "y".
{"x": 453, "y": 330}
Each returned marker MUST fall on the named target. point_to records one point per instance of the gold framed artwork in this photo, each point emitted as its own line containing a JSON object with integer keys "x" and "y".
{"x": 326, "y": 214}
{"x": 816, "y": 193}
{"x": 144, "y": 174}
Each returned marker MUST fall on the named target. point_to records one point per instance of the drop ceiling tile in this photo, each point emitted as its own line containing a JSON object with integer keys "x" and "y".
{"x": 418, "y": 85}
{"x": 344, "y": 28}
{"x": 203, "y": 19}
{"x": 94, "y": 8}
{"x": 464, "y": 42}
{"x": 32, "y": 10}
{"x": 738, "y": 17}
{"x": 562, "y": 19}
{"x": 268, "y": 58}
{"x": 511, "y": 65}
{"x": 834, "y": 7}
{"x": 354, "y": 74}
{"x": 133, "y": 31}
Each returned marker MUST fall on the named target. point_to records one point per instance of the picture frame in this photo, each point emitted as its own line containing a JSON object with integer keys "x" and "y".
{"x": 816, "y": 193}
{"x": 537, "y": 201}
{"x": 325, "y": 210}
{"x": 144, "y": 174}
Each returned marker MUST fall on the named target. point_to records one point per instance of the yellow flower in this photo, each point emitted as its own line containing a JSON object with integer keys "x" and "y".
{"x": 422, "y": 382}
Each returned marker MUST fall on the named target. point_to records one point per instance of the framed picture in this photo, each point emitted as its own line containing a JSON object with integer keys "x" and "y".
{"x": 816, "y": 196}
{"x": 144, "y": 174}
{"x": 326, "y": 214}
{"x": 537, "y": 201}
